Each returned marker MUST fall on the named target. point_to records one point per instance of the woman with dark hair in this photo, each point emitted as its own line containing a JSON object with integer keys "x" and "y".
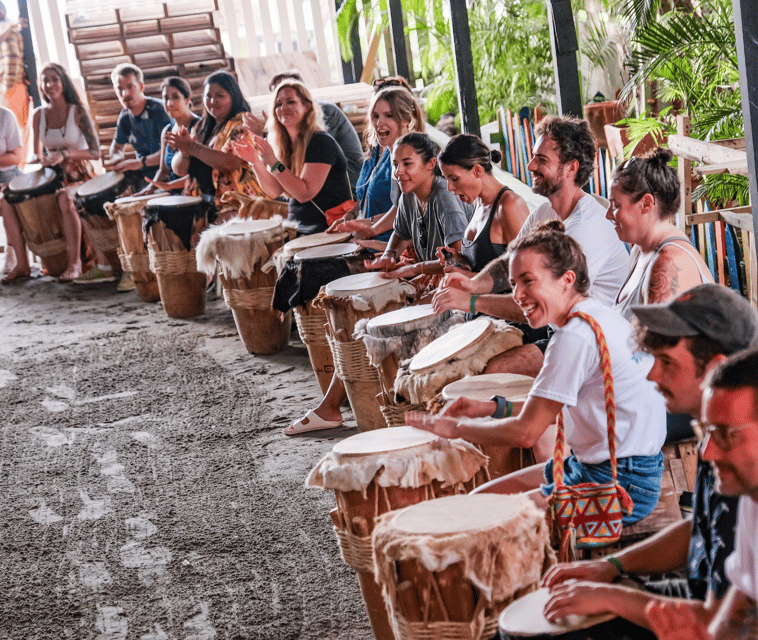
{"x": 548, "y": 273}
{"x": 205, "y": 154}
{"x": 644, "y": 198}
{"x": 177, "y": 100}
{"x": 299, "y": 158}
{"x": 428, "y": 215}
{"x": 64, "y": 138}
{"x": 499, "y": 213}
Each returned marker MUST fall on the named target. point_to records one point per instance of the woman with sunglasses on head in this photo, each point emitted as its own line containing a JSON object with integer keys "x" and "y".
{"x": 205, "y": 154}
{"x": 392, "y": 113}
{"x": 499, "y": 213}
{"x": 177, "y": 100}
{"x": 428, "y": 215}
{"x": 299, "y": 158}
{"x": 644, "y": 198}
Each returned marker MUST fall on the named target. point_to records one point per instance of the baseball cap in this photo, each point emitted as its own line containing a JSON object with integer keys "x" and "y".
{"x": 711, "y": 310}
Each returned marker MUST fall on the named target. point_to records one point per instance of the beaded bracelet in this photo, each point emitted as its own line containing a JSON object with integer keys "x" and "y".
{"x": 472, "y": 304}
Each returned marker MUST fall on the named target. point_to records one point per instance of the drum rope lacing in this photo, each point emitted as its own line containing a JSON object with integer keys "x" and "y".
{"x": 394, "y": 414}
{"x": 351, "y": 362}
{"x": 47, "y": 249}
{"x": 259, "y": 298}
{"x": 172, "y": 262}
{"x": 134, "y": 262}
{"x": 104, "y": 239}
{"x": 312, "y": 328}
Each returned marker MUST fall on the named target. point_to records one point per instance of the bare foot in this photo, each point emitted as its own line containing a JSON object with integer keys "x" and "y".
{"x": 17, "y": 273}
{"x": 70, "y": 274}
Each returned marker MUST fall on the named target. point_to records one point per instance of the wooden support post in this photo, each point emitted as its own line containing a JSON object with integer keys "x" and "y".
{"x": 397, "y": 32}
{"x": 685, "y": 180}
{"x": 468, "y": 105}
{"x": 565, "y": 46}
{"x": 29, "y": 61}
{"x": 746, "y": 32}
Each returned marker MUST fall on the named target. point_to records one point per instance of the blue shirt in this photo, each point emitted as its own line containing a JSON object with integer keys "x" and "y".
{"x": 377, "y": 193}
{"x": 143, "y": 132}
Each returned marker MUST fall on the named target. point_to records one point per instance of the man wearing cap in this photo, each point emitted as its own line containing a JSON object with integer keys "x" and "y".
{"x": 730, "y": 443}
{"x": 687, "y": 337}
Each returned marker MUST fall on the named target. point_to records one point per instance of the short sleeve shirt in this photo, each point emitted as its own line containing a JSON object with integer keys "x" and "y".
{"x": 322, "y": 149}
{"x": 143, "y": 132}
{"x": 10, "y": 135}
{"x": 445, "y": 220}
{"x": 742, "y": 565}
{"x": 342, "y": 130}
{"x": 377, "y": 191}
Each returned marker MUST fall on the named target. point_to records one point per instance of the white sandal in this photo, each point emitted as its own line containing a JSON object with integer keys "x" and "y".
{"x": 311, "y": 421}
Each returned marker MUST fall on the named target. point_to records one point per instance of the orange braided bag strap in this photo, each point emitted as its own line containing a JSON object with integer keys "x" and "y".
{"x": 610, "y": 409}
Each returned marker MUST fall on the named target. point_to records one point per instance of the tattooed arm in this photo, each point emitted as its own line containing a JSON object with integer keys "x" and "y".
{"x": 675, "y": 270}
{"x": 84, "y": 122}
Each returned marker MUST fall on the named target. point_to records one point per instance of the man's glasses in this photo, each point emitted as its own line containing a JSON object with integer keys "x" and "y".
{"x": 722, "y": 436}
{"x": 641, "y": 171}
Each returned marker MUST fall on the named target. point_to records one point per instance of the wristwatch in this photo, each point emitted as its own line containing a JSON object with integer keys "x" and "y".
{"x": 277, "y": 167}
{"x": 504, "y": 407}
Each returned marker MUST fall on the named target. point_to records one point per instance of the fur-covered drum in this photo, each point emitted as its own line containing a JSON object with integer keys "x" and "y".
{"x": 462, "y": 351}
{"x": 90, "y": 202}
{"x": 33, "y": 197}
{"x": 347, "y": 300}
{"x": 127, "y": 214}
{"x": 448, "y": 567}
{"x": 173, "y": 225}
{"x": 514, "y": 387}
{"x": 525, "y": 618}
{"x": 242, "y": 249}
{"x": 376, "y": 472}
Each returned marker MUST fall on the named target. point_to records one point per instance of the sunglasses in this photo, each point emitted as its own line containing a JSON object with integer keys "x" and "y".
{"x": 422, "y": 231}
{"x": 722, "y": 436}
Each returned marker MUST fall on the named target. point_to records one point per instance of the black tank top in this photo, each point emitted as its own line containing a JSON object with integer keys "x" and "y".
{"x": 481, "y": 251}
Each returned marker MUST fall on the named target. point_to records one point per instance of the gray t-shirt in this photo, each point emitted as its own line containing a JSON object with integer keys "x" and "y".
{"x": 342, "y": 130}
{"x": 446, "y": 219}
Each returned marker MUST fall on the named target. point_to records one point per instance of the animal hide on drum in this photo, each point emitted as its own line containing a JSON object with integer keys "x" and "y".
{"x": 181, "y": 221}
{"x": 407, "y": 345}
{"x": 450, "y": 462}
{"x": 254, "y": 207}
{"x": 421, "y": 388}
{"x": 239, "y": 254}
{"x": 299, "y": 282}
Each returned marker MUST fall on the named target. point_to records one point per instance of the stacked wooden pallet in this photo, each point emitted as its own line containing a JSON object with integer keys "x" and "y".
{"x": 163, "y": 39}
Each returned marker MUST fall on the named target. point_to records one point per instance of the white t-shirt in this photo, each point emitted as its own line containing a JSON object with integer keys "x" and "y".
{"x": 741, "y": 566}
{"x": 10, "y": 135}
{"x": 607, "y": 258}
{"x": 571, "y": 375}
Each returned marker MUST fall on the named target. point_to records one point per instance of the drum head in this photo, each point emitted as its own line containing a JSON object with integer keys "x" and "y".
{"x": 32, "y": 181}
{"x": 327, "y": 251}
{"x": 509, "y": 385}
{"x": 358, "y": 283}
{"x": 145, "y": 198}
{"x": 455, "y": 342}
{"x": 405, "y": 319}
{"x": 524, "y": 618}
{"x": 383, "y": 440}
{"x": 241, "y": 227}
{"x": 176, "y": 201}
{"x": 314, "y": 240}
{"x": 100, "y": 183}
{"x": 457, "y": 514}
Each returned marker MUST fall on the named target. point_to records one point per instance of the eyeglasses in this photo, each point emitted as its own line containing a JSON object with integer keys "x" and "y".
{"x": 722, "y": 435}
{"x": 641, "y": 171}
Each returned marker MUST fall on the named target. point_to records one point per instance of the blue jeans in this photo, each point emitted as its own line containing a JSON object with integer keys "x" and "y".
{"x": 639, "y": 475}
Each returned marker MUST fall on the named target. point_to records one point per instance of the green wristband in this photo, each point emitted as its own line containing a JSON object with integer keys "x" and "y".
{"x": 472, "y": 303}
{"x": 616, "y": 563}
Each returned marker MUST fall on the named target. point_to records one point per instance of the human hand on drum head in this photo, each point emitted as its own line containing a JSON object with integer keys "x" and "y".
{"x": 440, "y": 425}
{"x": 382, "y": 262}
{"x": 253, "y": 124}
{"x": 52, "y": 159}
{"x": 468, "y": 408}
{"x": 581, "y": 598}
{"x": 160, "y": 184}
{"x": 408, "y": 271}
{"x": 675, "y": 621}
{"x": 592, "y": 570}
{"x": 450, "y": 298}
{"x": 361, "y": 228}
{"x": 336, "y": 226}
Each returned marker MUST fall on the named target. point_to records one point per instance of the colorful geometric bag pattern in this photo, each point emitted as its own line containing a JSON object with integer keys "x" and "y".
{"x": 588, "y": 514}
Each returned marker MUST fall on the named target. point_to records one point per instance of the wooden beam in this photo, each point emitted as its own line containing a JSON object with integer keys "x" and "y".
{"x": 397, "y": 32}
{"x": 739, "y": 217}
{"x": 565, "y": 47}
{"x": 704, "y": 152}
{"x": 732, "y": 143}
{"x": 735, "y": 168}
{"x": 468, "y": 105}
{"x": 684, "y": 171}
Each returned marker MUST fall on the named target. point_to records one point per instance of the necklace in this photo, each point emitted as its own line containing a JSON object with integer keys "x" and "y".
{"x": 61, "y": 129}
{"x": 421, "y": 204}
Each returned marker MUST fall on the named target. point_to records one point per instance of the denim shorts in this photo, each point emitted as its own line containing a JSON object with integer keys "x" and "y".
{"x": 639, "y": 475}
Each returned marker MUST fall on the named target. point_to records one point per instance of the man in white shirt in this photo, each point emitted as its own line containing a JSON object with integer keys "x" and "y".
{"x": 730, "y": 444}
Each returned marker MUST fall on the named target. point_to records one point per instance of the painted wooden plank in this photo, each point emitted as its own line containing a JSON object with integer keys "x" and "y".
{"x": 702, "y": 151}
{"x": 732, "y": 258}
{"x": 322, "y": 52}
{"x": 267, "y": 29}
{"x": 688, "y": 455}
{"x": 747, "y": 258}
{"x": 524, "y": 158}
{"x": 512, "y": 144}
{"x": 736, "y": 168}
{"x": 720, "y": 252}
{"x": 251, "y": 37}
{"x": 684, "y": 172}
{"x": 284, "y": 26}
{"x": 711, "y": 249}
{"x": 231, "y": 20}
{"x": 753, "y": 273}
{"x": 303, "y": 43}
{"x": 506, "y": 141}
{"x": 329, "y": 16}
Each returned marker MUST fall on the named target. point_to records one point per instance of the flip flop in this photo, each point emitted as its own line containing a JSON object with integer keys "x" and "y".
{"x": 310, "y": 422}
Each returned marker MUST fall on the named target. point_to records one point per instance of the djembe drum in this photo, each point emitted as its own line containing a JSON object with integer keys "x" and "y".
{"x": 462, "y": 351}
{"x": 243, "y": 249}
{"x": 448, "y": 567}
{"x": 90, "y": 200}
{"x": 398, "y": 336}
{"x": 127, "y": 214}
{"x": 347, "y": 300}
{"x": 33, "y": 197}
{"x": 173, "y": 225}
{"x": 515, "y": 387}
{"x": 378, "y": 471}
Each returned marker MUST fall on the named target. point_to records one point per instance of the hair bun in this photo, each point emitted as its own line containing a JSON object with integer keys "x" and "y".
{"x": 496, "y": 156}
{"x": 660, "y": 156}
{"x": 552, "y": 225}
